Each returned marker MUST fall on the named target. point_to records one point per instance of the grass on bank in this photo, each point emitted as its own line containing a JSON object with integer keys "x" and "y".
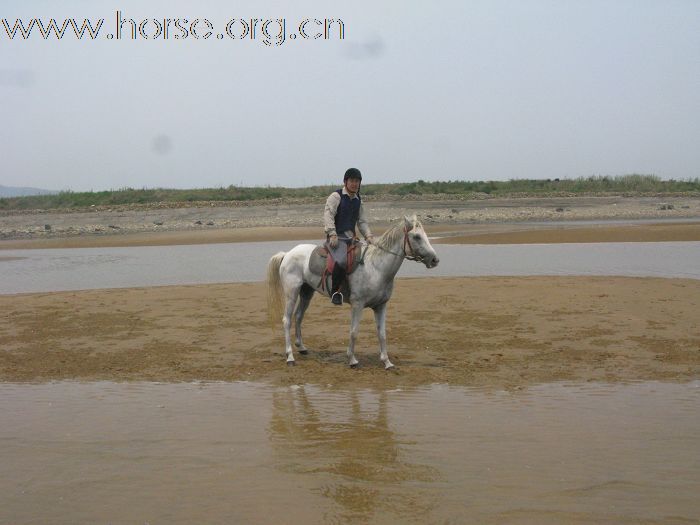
{"x": 627, "y": 184}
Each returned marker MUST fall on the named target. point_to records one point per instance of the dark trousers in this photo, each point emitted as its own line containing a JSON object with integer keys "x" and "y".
{"x": 337, "y": 278}
{"x": 340, "y": 256}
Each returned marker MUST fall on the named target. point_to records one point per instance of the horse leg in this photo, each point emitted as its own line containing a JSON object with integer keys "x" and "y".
{"x": 380, "y": 320}
{"x": 305, "y": 295}
{"x": 291, "y": 296}
{"x": 354, "y": 331}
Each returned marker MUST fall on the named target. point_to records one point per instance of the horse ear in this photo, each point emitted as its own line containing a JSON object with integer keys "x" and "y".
{"x": 408, "y": 223}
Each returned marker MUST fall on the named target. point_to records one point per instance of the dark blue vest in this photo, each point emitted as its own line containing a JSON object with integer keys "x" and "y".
{"x": 348, "y": 213}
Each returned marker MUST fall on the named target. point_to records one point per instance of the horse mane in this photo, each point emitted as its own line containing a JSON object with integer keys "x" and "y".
{"x": 393, "y": 234}
{"x": 389, "y": 237}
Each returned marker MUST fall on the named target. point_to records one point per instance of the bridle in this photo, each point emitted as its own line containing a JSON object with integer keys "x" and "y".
{"x": 405, "y": 254}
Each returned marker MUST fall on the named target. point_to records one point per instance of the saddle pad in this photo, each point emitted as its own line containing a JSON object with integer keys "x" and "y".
{"x": 318, "y": 260}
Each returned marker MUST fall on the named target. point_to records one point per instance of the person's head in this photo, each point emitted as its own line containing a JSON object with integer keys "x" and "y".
{"x": 352, "y": 180}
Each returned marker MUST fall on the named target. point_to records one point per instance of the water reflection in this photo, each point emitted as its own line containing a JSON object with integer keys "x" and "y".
{"x": 346, "y": 441}
{"x": 254, "y": 453}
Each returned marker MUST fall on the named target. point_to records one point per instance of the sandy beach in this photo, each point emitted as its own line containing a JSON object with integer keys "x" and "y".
{"x": 490, "y": 331}
{"x": 493, "y": 332}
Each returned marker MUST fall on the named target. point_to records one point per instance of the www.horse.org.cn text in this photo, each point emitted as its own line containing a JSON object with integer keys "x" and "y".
{"x": 269, "y": 31}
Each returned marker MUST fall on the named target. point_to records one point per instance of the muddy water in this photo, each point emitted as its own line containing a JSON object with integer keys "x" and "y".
{"x": 253, "y": 453}
{"x": 26, "y": 271}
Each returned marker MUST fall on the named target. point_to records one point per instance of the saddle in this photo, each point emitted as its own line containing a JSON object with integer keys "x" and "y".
{"x": 321, "y": 263}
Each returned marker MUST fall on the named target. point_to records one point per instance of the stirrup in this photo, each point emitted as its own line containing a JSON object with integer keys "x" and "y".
{"x": 337, "y": 298}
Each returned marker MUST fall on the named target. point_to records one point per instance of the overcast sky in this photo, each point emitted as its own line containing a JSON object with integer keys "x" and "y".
{"x": 447, "y": 90}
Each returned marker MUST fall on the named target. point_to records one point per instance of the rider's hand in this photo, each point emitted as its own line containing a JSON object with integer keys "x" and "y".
{"x": 370, "y": 239}
{"x": 333, "y": 241}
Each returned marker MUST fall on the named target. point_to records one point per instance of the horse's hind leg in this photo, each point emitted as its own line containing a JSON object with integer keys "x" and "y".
{"x": 306, "y": 293}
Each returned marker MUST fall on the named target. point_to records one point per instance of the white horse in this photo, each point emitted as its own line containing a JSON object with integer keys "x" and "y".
{"x": 290, "y": 279}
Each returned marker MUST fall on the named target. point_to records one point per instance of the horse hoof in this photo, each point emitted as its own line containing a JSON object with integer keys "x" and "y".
{"x": 355, "y": 366}
{"x": 389, "y": 367}
{"x": 303, "y": 352}
{"x": 291, "y": 363}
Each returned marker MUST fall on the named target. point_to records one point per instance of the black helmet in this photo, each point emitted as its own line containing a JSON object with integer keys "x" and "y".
{"x": 352, "y": 173}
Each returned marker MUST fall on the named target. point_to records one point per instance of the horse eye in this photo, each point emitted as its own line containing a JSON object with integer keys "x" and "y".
{"x": 416, "y": 236}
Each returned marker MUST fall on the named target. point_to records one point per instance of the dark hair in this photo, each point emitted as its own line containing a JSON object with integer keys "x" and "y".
{"x": 352, "y": 173}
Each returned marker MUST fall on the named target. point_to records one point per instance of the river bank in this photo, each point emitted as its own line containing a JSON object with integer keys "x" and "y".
{"x": 456, "y": 219}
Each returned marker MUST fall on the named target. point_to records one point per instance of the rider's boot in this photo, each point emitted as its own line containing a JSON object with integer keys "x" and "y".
{"x": 338, "y": 277}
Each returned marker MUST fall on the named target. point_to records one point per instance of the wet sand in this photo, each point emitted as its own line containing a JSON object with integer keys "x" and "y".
{"x": 490, "y": 332}
{"x": 572, "y": 233}
{"x": 510, "y": 233}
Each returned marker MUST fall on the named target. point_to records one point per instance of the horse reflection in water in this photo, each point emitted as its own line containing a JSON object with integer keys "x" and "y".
{"x": 349, "y": 449}
{"x": 292, "y": 282}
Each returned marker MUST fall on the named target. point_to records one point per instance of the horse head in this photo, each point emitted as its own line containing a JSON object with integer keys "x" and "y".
{"x": 416, "y": 243}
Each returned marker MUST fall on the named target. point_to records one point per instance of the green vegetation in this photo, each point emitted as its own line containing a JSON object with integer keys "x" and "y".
{"x": 615, "y": 185}
{"x": 627, "y": 184}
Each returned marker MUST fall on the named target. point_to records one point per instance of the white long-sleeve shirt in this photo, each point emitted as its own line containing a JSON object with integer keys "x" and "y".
{"x": 331, "y": 210}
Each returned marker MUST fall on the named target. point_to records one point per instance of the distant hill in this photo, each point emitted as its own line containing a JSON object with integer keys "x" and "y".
{"x": 11, "y": 191}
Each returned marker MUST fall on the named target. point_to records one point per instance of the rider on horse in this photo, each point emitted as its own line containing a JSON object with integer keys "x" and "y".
{"x": 342, "y": 214}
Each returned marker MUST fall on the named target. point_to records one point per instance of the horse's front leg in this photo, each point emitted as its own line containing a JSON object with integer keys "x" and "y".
{"x": 380, "y": 320}
{"x": 354, "y": 331}
{"x": 291, "y": 299}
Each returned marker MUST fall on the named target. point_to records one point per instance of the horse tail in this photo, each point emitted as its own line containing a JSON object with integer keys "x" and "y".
{"x": 274, "y": 289}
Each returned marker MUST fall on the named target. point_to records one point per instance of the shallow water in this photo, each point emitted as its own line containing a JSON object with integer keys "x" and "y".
{"x": 23, "y": 271}
{"x": 255, "y": 453}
